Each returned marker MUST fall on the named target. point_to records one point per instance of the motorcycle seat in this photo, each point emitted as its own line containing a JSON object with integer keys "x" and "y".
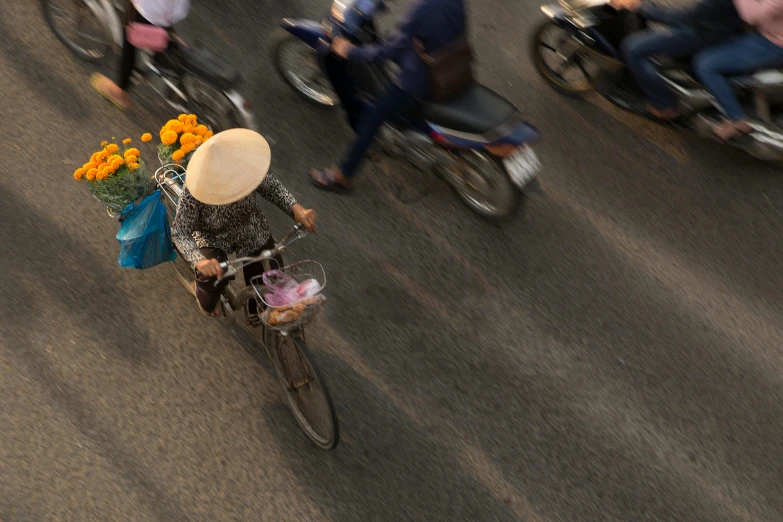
{"x": 476, "y": 111}
{"x": 205, "y": 65}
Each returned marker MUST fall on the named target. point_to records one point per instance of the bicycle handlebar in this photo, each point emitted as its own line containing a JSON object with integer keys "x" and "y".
{"x": 230, "y": 267}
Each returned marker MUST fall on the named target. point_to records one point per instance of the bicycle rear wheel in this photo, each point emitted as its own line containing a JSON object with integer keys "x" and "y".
{"x": 78, "y": 28}
{"x": 304, "y": 388}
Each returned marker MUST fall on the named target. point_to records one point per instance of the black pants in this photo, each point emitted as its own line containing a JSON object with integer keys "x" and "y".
{"x": 208, "y": 294}
{"x": 128, "y": 60}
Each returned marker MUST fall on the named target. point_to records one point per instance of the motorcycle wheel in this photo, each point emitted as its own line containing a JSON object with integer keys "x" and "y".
{"x": 483, "y": 185}
{"x": 297, "y": 63}
{"x": 560, "y": 76}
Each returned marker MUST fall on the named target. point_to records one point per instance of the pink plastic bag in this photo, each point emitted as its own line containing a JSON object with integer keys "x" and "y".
{"x": 146, "y": 36}
{"x": 286, "y": 290}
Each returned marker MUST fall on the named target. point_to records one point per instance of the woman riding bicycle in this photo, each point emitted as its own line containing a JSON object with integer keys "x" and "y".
{"x": 218, "y": 215}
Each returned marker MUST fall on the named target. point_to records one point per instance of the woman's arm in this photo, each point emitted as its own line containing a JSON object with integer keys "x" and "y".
{"x": 184, "y": 225}
{"x": 757, "y": 11}
{"x": 273, "y": 191}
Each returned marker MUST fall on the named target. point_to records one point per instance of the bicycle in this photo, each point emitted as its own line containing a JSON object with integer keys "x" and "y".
{"x": 189, "y": 80}
{"x": 285, "y": 344}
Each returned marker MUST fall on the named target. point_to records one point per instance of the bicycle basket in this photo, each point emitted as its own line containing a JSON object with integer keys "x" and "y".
{"x": 298, "y": 313}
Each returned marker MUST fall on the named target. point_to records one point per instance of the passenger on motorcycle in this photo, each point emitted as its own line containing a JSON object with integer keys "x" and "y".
{"x": 435, "y": 23}
{"x": 690, "y": 30}
{"x": 218, "y": 214}
{"x": 162, "y": 13}
{"x": 742, "y": 54}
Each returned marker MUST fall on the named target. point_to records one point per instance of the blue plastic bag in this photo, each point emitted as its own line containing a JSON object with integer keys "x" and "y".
{"x": 145, "y": 234}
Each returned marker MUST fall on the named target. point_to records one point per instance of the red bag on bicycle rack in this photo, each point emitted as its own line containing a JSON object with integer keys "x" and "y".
{"x": 146, "y": 36}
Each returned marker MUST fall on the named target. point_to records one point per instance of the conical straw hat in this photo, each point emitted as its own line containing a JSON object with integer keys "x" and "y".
{"x": 228, "y": 167}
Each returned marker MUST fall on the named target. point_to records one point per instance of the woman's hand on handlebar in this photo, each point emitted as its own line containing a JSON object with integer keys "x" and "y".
{"x": 305, "y": 216}
{"x": 209, "y": 268}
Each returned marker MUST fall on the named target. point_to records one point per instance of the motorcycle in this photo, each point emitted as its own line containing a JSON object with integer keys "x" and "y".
{"x": 576, "y": 50}
{"x": 478, "y": 141}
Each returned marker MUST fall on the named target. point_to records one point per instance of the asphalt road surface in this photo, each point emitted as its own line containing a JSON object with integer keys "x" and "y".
{"x": 612, "y": 354}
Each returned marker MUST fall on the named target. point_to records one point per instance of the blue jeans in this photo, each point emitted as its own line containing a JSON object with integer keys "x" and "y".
{"x": 391, "y": 103}
{"x": 639, "y": 48}
{"x": 742, "y": 54}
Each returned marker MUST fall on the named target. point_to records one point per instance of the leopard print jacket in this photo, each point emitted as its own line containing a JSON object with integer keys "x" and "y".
{"x": 238, "y": 227}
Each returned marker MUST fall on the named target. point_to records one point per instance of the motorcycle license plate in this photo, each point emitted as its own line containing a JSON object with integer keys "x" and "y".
{"x": 522, "y": 166}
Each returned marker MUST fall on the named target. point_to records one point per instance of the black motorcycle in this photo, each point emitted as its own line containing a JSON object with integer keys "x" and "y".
{"x": 576, "y": 50}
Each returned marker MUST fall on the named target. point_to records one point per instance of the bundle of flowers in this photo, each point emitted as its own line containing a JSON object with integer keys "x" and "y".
{"x": 115, "y": 178}
{"x": 180, "y": 137}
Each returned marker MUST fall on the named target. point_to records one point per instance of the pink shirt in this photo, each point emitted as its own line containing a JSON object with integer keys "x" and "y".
{"x": 765, "y": 15}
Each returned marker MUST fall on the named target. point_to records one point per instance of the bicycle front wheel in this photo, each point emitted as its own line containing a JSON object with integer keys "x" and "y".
{"x": 304, "y": 389}
{"x": 77, "y": 27}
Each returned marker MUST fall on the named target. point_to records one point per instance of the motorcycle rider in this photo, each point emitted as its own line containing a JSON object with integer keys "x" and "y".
{"x": 742, "y": 54}
{"x": 434, "y": 23}
{"x": 690, "y": 30}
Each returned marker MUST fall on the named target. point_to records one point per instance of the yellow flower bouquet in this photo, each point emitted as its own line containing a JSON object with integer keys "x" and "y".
{"x": 180, "y": 137}
{"x": 116, "y": 178}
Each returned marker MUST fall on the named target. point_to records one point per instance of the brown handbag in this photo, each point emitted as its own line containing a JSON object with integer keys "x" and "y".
{"x": 450, "y": 68}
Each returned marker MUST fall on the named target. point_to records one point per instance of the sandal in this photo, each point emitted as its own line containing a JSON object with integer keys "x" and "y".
{"x": 104, "y": 86}
{"x": 723, "y": 133}
{"x": 326, "y": 179}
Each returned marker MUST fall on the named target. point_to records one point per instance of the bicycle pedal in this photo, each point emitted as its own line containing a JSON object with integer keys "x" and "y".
{"x": 254, "y": 321}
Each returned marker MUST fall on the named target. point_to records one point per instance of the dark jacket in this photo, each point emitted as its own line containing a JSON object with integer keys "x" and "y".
{"x": 711, "y": 19}
{"x": 435, "y": 23}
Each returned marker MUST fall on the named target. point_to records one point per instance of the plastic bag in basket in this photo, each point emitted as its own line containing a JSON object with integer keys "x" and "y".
{"x": 145, "y": 235}
{"x": 286, "y": 290}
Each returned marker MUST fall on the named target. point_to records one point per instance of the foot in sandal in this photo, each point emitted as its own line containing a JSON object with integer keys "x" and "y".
{"x": 729, "y": 130}
{"x": 110, "y": 90}
{"x": 330, "y": 179}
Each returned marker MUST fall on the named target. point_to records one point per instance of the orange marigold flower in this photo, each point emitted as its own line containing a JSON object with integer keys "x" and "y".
{"x": 208, "y": 135}
{"x": 104, "y": 143}
{"x": 117, "y": 163}
{"x": 102, "y": 174}
{"x": 133, "y": 166}
{"x": 187, "y": 137}
{"x": 89, "y": 165}
{"x": 111, "y": 148}
{"x": 182, "y": 117}
{"x": 78, "y": 174}
{"x": 91, "y": 174}
{"x": 146, "y": 137}
{"x": 130, "y": 158}
{"x": 188, "y": 147}
{"x": 198, "y": 141}
{"x": 177, "y": 155}
{"x": 201, "y": 130}
{"x": 131, "y": 152}
{"x": 168, "y": 137}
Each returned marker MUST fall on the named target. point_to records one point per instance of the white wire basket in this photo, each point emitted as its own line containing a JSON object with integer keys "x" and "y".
{"x": 298, "y": 313}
